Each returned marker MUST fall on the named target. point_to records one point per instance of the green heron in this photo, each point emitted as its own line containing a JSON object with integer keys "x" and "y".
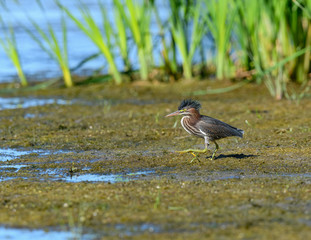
{"x": 209, "y": 128}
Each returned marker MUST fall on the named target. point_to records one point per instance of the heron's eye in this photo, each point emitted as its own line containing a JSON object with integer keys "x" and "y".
{"x": 182, "y": 110}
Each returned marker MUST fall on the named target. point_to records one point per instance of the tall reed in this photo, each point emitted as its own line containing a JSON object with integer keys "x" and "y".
{"x": 302, "y": 37}
{"x": 219, "y": 18}
{"x": 168, "y": 50}
{"x": 186, "y": 18}
{"x": 55, "y": 48}
{"x": 270, "y": 39}
{"x": 93, "y": 31}
{"x": 267, "y": 38}
{"x": 116, "y": 34}
{"x": 137, "y": 17}
{"x": 9, "y": 45}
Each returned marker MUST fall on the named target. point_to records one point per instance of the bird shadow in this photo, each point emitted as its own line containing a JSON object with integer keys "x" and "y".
{"x": 238, "y": 156}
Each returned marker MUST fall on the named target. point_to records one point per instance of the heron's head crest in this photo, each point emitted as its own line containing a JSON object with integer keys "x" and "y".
{"x": 189, "y": 103}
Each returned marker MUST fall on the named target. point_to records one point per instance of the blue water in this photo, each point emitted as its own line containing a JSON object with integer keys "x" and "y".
{"x": 39, "y": 234}
{"x": 118, "y": 231}
{"x": 7, "y": 154}
{"x": 37, "y": 63}
{"x": 112, "y": 178}
{"x": 14, "y": 166}
{"x": 15, "y": 102}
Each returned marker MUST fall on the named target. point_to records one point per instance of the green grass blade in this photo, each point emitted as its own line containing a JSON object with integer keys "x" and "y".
{"x": 89, "y": 27}
{"x": 51, "y": 45}
{"x": 9, "y": 46}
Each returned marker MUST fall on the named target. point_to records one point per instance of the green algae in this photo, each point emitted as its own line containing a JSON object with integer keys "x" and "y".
{"x": 258, "y": 187}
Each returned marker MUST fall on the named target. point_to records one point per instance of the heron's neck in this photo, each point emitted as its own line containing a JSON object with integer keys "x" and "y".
{"x": 192, "y": 119}
{"x": 185, "y": 123}
{"x": 184, "y": 118}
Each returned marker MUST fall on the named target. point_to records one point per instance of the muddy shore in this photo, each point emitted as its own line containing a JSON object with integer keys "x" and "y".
{"x": 102, "y": 161}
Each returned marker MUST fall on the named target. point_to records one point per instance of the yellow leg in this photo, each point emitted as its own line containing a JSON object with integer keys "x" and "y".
{"x": 194, "y": 150}
{"x": 214, "y": 153}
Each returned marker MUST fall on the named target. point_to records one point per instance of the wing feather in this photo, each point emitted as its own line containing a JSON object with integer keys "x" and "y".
{"x": 216, "y": 129}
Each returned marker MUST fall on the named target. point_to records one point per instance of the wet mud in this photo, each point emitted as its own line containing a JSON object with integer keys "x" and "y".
{"x": 99, "y": 161}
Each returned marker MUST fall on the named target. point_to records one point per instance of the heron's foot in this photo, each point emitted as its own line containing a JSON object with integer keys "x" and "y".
{"x": 193, "y": 151}
{"x": 195, "y": 158}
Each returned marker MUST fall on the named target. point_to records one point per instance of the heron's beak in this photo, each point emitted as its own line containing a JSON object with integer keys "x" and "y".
{"x": 173, "y": 114}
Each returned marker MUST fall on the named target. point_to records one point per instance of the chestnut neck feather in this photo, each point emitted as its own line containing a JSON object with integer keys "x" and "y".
{"x": 194, "y": 117}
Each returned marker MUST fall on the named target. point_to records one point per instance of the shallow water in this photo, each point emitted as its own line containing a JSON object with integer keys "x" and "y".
{"x": 8, "y": 154}
{"x": 39, "y": 234}
{"x": 14, "y": 166}
{"x": 12, "y": 103}
{"x": 57, "y": 174}
{"x": 61, "y": 174}
{"x": 126, "y": 230}
{"x": 24, "y": 102}
{"x": 118, "y": 230}
{"x": 112, "y": 178}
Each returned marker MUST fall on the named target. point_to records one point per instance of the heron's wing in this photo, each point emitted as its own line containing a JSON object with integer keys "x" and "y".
{"x": 216, "y": 129}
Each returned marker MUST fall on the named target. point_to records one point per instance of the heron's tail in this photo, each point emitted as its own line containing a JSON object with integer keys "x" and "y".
{"x": 241, "y": 133}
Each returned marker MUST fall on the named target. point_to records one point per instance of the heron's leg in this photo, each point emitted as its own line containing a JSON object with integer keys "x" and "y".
{"x": 206, "y": 142}
{"x": 195, "y": 158}
{"x": 216, "y": 149}
{"x": 197, "y": 150}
